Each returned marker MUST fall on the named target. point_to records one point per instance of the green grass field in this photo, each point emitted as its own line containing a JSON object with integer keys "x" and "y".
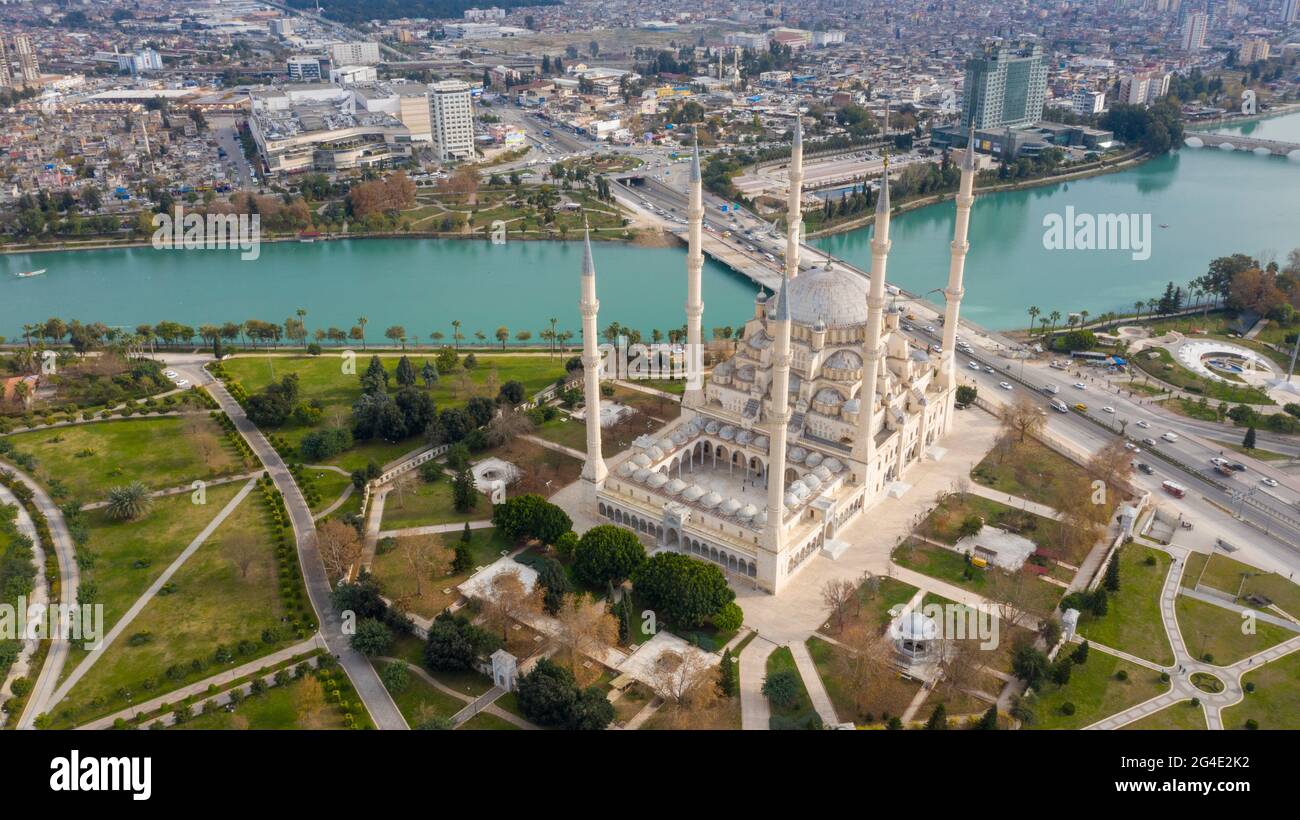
{"x": 393, "y": 572}
{"x": 1026, "y": 469}
{"x": 300, "y": 704}
{"x": 948, "y": 565}
{"x": 1182, "y": 715}
{"x": 322, "y": 378}
{"x": 130, "y": 555}
{"x": 1235, "y": 578}
{"x": 423, "y": 503}
{"x": 782, "y": 660}
{"x": 1096, "y": 693}
{"x": 419, "y": 699}
{"x": 227, "y": 592}
{"x": 89, "y": 459}
{"x": 1132, "y": 622}
{"x": 1275, "y": 703}
{"x": 1212, "y": 630}
{"x": 889, "y": 697}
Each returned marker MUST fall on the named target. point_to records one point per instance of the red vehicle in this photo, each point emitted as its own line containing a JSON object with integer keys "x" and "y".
{"x": 1175, "y": 489}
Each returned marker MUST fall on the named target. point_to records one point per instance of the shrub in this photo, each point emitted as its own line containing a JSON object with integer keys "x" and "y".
{"x": 782, "y": 688}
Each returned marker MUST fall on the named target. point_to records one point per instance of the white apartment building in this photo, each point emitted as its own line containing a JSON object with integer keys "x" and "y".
{"x": 1143, "y": 87}
{"x": 452, "y": 117}
{"x": 354, "y": 53}
{"x": 1086, "y": 102}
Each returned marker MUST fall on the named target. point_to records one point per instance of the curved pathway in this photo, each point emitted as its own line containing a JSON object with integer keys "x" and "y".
{"x": 69, "y": 580}
{"x": 21, "y": 666}
{"x": 378, "y": 702}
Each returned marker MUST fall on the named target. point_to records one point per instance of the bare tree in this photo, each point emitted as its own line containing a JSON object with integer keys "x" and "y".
{"x": 243, "y": 550}
{"x": 837, "y": 594}
{"x": 1009, "y": 593}
{"x": 1022, "y": 418}
{"x": 426, "y": 558}
{"x": 339, "y": 547}
{"x": 865, "y": 664}
{"x": 507, "y": 425}
{"x": 688, "y": 684}
{"x": 507, "y": 600}
{"x": 586, "y": 630}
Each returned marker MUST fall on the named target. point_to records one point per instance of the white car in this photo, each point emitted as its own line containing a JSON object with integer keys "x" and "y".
{"x": 974, "y": 366}
{"x": 1108, "y": 409}
{"x": 929, "y": 328}
{"x": 988, "y": 370}
{"x": 1080, "y": 386}
{"x": 183, "y": 383}
{"x": 1142, "y": 424}
{"x": 1268, "y": 482}
{"x": 1005, "y": 385}
{"x": 171, "y": 374}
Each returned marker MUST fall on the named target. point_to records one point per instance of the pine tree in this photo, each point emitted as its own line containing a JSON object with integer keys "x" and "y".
{"x": 1249, "y": 441}
{"x": 990, "y": 719}
{"x": 938, "y": 718}
{"x": 1080, "y": 655}
{"x": 405, "y": 372}
{"x": 464, "y": 496}
{"x": 1112, "y": 574}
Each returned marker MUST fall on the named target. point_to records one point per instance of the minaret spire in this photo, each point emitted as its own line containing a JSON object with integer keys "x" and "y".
{"x": 956, "y": 272}
{"x": 594, "y": 470}
{"x": 778, "y": 418}
{"x": 864, "y": 448}
{"x": 694, "y": 396}
{"x": 794, "y": 202}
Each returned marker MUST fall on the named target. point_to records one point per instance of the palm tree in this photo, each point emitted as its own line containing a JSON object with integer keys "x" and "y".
{"x": 553, "y": 336}
{"x": 302, "y": 317}
{"x": 128, "y": 502}
{"x": 1153, "y": 303}
{"x": 1055, "y": 316}
{"x": 1033, "y": 314}
{"x": 1083, "y": 317}
{"x": 455, "y": 333}
{"x": 363, "y": 321}
{"x": 1137, "y": 308}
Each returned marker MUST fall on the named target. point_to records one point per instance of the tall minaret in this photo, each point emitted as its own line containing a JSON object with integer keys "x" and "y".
{"x": 694, "y": 396}
{"x": 794, "y": 204}
{"x": 956, "y": 271}
{"x": 864, "y": 449}
{"x": 594, "y": 470}
{"x": 778, "y": 419}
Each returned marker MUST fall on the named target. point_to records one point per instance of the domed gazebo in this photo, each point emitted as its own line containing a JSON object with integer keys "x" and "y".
{"x": 916, "y": 636}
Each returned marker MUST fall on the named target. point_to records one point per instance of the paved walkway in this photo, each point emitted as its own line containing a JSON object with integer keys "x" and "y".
{"x": 383, "y": 711}
{"x": 136, "y": 608}
{"x": 1014, "y": 501}
{"x": 813, "y": 683}
{"x": 491, "y": 709}
{"x": 198, "y": 687}
{"x": 69, "y": 581}
{"x": 39, "y": 595}
{"x": 185, "y": 488}
{"x": 338, "y": 502}
{"x": 559, "y": 448}
{"x": 755, "y": 712}
{"x": 434, "y": 529}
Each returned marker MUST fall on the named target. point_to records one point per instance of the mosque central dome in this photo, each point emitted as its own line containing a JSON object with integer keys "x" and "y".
{"x": 831, "y": 294}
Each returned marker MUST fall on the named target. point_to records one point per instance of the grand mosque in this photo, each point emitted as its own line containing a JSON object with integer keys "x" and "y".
{"x": 815, "y": 418}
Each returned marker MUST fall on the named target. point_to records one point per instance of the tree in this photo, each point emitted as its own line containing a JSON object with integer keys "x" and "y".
{"x": 555, "y": 585}
{"x": 586, "y": 630}
{"x": 782, "y": 688}
{"x": 395, "y": 677}
{"x": 339, "y": 547}
{"x": 454, "y": 644}
{"x": 425, "y": 558}
{"x": 1249, "y": 441}
{"x": 989, "y": 721}
{"x": 549, "y": 696}
{"x": 1111, "y": 581}
{"x": 966, "y": 395}
{"x": 837, "y": 594}
{"x": 507, "y": 600}
{"x": 530, "y": 516}
{"x": 464, "y": 494}
{"x": 129, "y": 502}
{"x": 938, "y": 718}
{"x": 607, "y": 554}
{"x": 1022, "y": 418}
{"x": 372, "y": 637}
{"x": 1029, "y": 664}
{"x": 405, "y": 372}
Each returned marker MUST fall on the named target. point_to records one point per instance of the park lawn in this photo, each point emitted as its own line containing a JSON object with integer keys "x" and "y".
{"x": 1096, "y": 693}
{"x": 160, "y": 452}
{"x": 299, "y": 704}
{"x": 330, "y": 485}
{"x": 872, "y": 611}
{"x": 1182, "y": 715}
{"x": 566, "y": 431}
{"x": 1008, "y": 638}
{"x": 487, "y": 721}
{"x": 944, "y": 522}
{"x": 1166, "y": 369}
{"x": 426, "y": 503}
{"x": 1132, "y": 622}
{"x": 1026, "y": 469}
{"x": 130, "y": 555}
{"x": 1212, "y": 630}
{"x": 1275, "y": 703}
{"x": 1225, "y": 575}
{"x": 889, "y": 697}
{"x": 1257, "y": 453}
{"x": 1040, "y": 597}
{"x": 653, "y": 405}
{"x": 802, "y": 709}
{"x": 213, "y": 604}
{"x": 322, "y": 378}
{"x": 635, "y": 697}
{"x": 394, "y": 573}
{"x": 420, "y": 698}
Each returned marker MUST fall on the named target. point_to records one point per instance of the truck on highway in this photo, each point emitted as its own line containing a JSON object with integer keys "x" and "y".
{"x": 1174, "y": 488}
{"x": 1060, "y": 406}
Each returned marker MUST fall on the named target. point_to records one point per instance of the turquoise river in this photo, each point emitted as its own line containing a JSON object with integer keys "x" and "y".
{"x": 1202, "y": 204}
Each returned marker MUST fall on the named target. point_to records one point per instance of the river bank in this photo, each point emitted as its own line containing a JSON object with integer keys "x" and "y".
{"x": 1280, "y": 111}
{"x": 1122, "y": 163}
